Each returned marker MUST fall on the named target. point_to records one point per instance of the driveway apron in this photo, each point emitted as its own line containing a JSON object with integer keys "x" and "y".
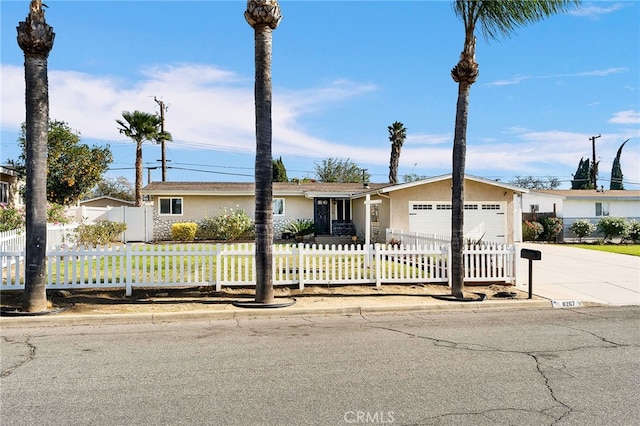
{"x": 571, "y": 273}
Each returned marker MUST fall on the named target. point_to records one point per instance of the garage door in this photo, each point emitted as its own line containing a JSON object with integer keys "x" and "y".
{"x": 481, "y": 220}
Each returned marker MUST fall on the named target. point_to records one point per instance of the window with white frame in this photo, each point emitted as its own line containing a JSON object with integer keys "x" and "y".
{"x": 4, "y": 193}
{"x": 278, "y": 206}
{"x": 170, "y": 206}
{"x": 534, "y": 208}
{"x": 602, "y": 209}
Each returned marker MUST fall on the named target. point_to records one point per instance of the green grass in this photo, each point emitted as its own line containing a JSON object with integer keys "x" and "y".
{"x": 630, "y": 249}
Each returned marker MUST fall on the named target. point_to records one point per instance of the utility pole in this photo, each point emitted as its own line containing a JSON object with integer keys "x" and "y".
{"x": 594, "y": 165}
{"x": 163, "y": 108}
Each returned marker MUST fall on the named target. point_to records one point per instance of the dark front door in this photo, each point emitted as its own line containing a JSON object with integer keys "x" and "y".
{"x": 321, "y": 216}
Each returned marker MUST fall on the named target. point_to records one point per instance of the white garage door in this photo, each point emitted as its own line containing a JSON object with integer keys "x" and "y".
{"x": 481, "y": 220}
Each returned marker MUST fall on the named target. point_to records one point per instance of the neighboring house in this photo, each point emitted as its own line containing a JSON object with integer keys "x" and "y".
{"x": 106, "y": 201}
{"x": 10, "y": 187}
{"x": 574, "y": 204}
{"x": 492, "y": 209}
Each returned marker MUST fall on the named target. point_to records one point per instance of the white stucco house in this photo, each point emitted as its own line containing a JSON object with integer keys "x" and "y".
{"x": 572, "y": 204}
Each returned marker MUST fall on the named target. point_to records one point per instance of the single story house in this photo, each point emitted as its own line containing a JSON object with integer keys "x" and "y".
{"x": 106, "y": 201}
{"x": 492, "y": 209}
{"x": 574, "y": 204}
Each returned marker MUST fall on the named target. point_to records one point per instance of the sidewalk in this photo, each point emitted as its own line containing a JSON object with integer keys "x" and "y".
{"x": 570, "y": 273}
{"x": 564, "y": 274}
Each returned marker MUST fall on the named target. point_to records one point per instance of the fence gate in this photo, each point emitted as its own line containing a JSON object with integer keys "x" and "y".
{"x": 139, "y": 221}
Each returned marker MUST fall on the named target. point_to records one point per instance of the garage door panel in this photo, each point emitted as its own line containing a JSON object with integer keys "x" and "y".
{"x": 482, "y": 220}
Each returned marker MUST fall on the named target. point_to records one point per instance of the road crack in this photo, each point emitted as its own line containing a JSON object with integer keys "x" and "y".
{"x": 27, "y": 358}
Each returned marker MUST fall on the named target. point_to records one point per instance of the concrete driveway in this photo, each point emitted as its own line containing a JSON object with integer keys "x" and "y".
{"x": 569, "y": 273}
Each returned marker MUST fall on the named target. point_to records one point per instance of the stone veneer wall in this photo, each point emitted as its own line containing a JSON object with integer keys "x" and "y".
{"x": 162, "y": 227}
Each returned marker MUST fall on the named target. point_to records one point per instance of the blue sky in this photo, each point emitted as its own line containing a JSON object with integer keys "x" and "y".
{"x": 342, "y": 72}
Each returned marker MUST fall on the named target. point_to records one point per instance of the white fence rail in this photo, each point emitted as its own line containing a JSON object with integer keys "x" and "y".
{"x": 129, "y": 266}
{"x": 15, "y": 240}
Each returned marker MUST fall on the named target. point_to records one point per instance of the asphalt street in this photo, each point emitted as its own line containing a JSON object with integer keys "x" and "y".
{"x": 510, "y": 367}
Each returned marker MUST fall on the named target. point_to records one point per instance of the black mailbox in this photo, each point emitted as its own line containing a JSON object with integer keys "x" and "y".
{"x": 531, "y": 254}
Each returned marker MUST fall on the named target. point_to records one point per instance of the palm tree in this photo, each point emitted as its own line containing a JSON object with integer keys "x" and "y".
{"x": 264, "y": 16}
{"x": 35, "y": 38}
{"x": 495, "y": 18}
{"x": 139, "y": 126}
{"x": 397, "y": 135}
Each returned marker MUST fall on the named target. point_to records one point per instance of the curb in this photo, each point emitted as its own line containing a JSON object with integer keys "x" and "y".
{"x": 234, "y": 314}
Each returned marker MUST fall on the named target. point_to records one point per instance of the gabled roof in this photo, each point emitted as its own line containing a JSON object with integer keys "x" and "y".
{"x": 401, "y": 186}
{"x": 309, "y": 189}
{"x": 591, "y": 194}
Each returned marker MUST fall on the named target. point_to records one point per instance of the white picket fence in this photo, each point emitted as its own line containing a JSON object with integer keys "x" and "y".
{"x": 138, "y": 265}
{"x": 15, "y": 240}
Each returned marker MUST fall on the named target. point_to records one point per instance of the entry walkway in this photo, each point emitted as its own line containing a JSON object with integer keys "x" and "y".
{"x": 571, "y": 273}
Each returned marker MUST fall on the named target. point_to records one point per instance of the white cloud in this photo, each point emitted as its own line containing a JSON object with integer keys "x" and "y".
{"x": 208, "y": 107}
{"x": 625, "y": 117}
{"x": 595, "y": 10}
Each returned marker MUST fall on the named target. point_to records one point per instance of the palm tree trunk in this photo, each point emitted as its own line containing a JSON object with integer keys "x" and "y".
{"x": 457, "y": 191}
{"x": 264, "y": 164}
{"x": 35, "y": 38}
{"x": 138, "y": 188}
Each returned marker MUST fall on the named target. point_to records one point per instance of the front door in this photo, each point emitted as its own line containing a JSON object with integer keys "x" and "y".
{"x": 321, "y": 216}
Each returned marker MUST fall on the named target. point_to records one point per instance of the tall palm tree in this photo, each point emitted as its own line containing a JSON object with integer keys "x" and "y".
{"x": 264, "y": 16}
{"x": 495, "y": 18}
{"x": 397, "y": 136}
{"x": 139, "y": 126}
{"x": 35, "y": 38}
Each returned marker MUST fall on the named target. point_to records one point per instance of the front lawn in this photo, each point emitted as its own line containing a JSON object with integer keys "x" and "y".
{"x": 631, "y": 249}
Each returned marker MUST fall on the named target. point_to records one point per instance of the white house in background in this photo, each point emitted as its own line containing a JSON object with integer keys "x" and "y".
{"x": 10, "y": 183}
{"x": 575, "y": 204}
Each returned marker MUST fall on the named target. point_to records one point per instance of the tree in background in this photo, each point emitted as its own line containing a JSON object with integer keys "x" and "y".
{"x": 72, "y": 168}
{"x": 340, "y": 170}
{"x": 35, "y": 38}
{"x": 118, "y": 187}
{"x": 397, "y": 136}
{"x": 495, "y": 18}
{"x": 279, "y": 171}
{"x": 582, "y": 177}
{"x": 532, "y": 182}
{"x": 413, "y": 177}
{"x": 616, "y": 170}
{"x": 139, "y": 126}
{"x": 264, "y": 17}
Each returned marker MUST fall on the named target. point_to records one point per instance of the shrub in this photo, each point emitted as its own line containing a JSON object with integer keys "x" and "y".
{"x": 13, "y": 218}
{"x": 299, "y": 228}
{"x": 582, "y": 228}
{"x": 552, "y": 226}
{"x": 612, "y": 227}
{"x": 10, "y": 218}
{"x": 230, "y": 225}
{"x": 531, "y": 230}
{"x": 99, "y": 233}
{"x": 633, "y": 231}
{"x": 56, "y": 213}
{"x": 183, "y": 231}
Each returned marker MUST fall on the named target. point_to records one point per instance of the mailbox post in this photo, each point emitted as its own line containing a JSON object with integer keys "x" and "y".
{"x": 531, "y": 255}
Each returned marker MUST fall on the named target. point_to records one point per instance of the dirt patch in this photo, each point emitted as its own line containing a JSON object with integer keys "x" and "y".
{"x": 206, "y": 298}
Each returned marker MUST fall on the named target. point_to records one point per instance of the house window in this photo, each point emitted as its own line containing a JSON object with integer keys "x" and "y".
{"x": 602, "y": 209}
{"x": 534, "y": 208}
{"x": 278, "y": 206}
{"x": 343, "y": 210}
{"x": 171, "y": 206}
{"x": 4, "y": 193}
